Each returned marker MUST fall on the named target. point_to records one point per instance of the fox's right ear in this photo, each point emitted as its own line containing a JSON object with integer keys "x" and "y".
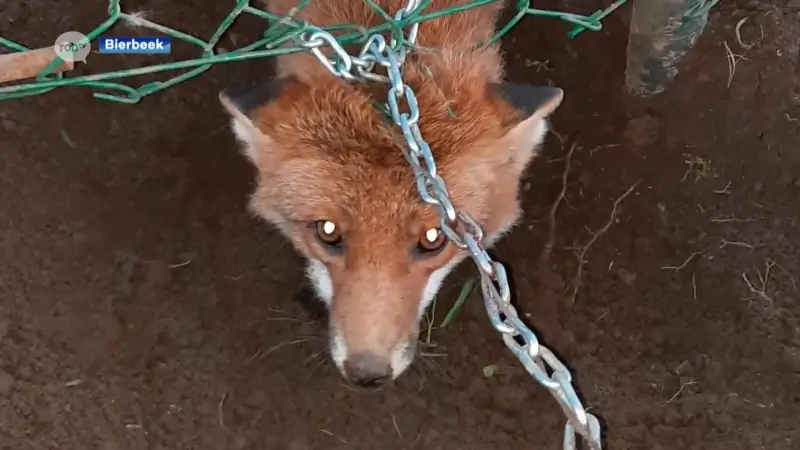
{"x": 242, "y": 103}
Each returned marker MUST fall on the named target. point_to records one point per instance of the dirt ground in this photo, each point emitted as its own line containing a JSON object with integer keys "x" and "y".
{"x": 143, "y": 307}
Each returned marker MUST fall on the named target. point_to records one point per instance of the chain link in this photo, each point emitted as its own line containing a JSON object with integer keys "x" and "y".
{"x": 461, "y": 229}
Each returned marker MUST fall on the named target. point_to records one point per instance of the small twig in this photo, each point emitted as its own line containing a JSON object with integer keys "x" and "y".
{"x": 321, "y": 430}
{"x": 724, "y": 243}
{"x": 67, "y": 140}
{"x": 220, "y": 413}
{"x": 430, "y": 318}
{"x": 733, "y": 219}
{"x": 764, "y": 278}
{"x": 726, "y": 190}
{"x": 576, "y": 280}
{"x": 551, "y": 234}
{"x": 175, "y": 266}
{"x": 759, "y": 205}
{"x": 694, "y": 286}
{"x": 785, "y": 272}
{"x": 738, "y": 32}
{"x": 396, "y": 428}
{"x": 761, "y": 293}
{"x": 678, "y": 268}
{"x": 750, "y": 285}
{"x": 683, "y": 386}
{"x": 560, "y": 137}
{"x": 733, "y": 60}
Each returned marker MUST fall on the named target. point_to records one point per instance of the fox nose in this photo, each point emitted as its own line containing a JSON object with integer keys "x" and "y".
{"x": 367, "y": 370}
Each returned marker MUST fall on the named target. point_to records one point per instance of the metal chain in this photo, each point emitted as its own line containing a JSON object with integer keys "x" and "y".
{"x": 462, "y": 230}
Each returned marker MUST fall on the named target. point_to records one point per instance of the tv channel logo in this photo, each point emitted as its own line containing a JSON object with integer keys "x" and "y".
{"x": 72, "y": 46}
{"x": 136, "y": 45}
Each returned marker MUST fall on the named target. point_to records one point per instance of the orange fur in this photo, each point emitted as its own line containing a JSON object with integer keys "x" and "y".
{"x": 323, "y": 151}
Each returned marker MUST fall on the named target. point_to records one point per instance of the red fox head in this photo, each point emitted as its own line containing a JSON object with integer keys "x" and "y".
{"x": 333, "y": 179}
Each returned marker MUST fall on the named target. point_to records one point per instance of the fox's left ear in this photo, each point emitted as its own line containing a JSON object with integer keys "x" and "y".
{"x": 534, "y": 104}
{"x": 242, "y": 103}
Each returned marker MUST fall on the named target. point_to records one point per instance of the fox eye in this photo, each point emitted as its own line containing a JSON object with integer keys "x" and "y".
{"x": 327, "y": 232}
{"x": 432, "y": 240}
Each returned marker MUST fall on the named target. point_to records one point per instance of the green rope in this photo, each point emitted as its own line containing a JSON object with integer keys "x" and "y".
{"x": 700, "y": 8}
{"x": 280, "y": 30}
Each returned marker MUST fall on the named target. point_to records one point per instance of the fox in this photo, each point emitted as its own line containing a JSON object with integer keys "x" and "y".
{"x": 331, "y": 178}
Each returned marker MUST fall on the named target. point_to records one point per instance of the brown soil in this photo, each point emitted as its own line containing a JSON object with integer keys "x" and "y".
{"x": 144, "y": 308}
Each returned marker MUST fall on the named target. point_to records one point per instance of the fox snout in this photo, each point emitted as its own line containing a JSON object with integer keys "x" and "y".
{"x": 374, "y": 320}
{"x": 371, "y": 366}
{"x": 367, "y": 369}
{"x": 369, "y": 351}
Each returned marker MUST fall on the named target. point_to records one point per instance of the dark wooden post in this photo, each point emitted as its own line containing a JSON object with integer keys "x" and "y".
{"x": 661, "y": 33}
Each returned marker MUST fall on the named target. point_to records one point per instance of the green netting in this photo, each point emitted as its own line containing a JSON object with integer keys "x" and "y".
{"x": 280, "y": 31}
